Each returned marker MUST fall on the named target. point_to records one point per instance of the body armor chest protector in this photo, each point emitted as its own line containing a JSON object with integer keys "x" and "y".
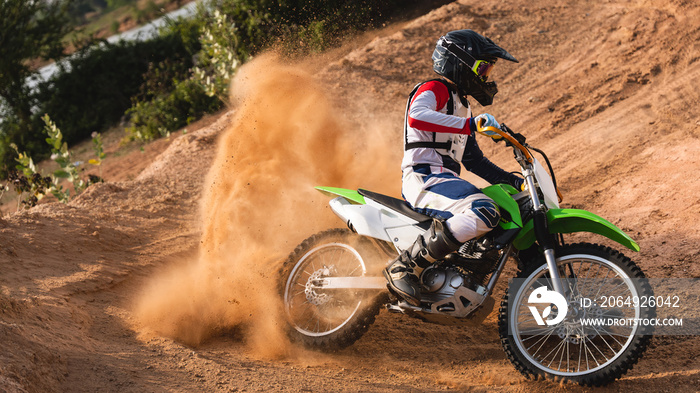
{"x": 445, "y": 144}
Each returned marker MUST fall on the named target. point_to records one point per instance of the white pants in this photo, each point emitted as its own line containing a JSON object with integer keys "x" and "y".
{"x": 440, "y": 193}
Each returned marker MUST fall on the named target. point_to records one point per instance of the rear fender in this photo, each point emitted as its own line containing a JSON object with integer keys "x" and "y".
{"x": 369, "y": 218}
{"x": 575, "y": 220}
{"x": 351, "y": 195}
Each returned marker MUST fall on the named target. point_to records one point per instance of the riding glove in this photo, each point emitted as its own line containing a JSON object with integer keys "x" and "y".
{"x": 486, "y": 120}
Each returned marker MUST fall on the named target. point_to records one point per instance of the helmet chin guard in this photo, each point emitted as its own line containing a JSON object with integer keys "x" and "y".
{"x": 483, "y": 92}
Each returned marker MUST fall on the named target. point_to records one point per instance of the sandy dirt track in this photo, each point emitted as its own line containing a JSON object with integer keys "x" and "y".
{"x": 163, "y": 282}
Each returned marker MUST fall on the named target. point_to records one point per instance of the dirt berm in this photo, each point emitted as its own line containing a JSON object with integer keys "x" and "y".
{"x": 166, "y": 282}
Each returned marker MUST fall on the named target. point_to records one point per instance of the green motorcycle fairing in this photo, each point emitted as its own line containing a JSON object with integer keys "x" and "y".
{"x": 502, "y": 195}
{"x": 559, "y": 220}
{"x": 575, "y": 220}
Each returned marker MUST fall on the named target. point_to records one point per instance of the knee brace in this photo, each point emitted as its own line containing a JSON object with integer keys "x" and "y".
{"x": 487, "y": 212}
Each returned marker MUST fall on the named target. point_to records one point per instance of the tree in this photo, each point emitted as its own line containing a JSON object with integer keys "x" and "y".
{"x": 30, "y": 30}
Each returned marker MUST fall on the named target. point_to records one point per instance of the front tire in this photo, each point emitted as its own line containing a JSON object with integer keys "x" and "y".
{"x": 576, "y": 349}
{"x": 333, "y": 319}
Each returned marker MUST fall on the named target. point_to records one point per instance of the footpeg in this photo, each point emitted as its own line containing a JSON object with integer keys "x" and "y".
{"x": 395, "y": 309}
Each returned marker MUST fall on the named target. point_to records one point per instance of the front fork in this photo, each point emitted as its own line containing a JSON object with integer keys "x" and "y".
{"x": 544, "y": 238}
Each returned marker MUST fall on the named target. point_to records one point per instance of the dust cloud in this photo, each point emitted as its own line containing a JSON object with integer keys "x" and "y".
{"x": 259, "y": 202}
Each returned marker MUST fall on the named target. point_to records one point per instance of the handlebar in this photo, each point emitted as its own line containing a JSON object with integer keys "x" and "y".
{"x": 504, "y": 135}
{"x": 518, "y": 142}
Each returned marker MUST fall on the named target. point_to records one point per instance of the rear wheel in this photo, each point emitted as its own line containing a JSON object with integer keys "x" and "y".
{"x": 329, "y": 319}
{"x": 594, "y": 343}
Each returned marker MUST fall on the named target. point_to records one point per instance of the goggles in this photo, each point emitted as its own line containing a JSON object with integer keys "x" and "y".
{"x": 481, "y": 68}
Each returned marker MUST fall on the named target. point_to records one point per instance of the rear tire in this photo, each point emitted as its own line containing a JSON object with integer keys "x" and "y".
{"x": 571, "y": 350}
{"x": 333, "y": 319}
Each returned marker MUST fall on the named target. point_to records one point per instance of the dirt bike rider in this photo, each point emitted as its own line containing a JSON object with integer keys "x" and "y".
{"x": 439, "y": 133}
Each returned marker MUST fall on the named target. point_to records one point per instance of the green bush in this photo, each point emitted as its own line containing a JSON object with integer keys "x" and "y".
{"x": 96, "y": 88}
{"x": 260, "y": 22}
{"x": 164, "y": 113}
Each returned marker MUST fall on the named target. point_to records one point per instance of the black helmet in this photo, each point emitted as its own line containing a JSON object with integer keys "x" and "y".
{"x": 466, "y": 58}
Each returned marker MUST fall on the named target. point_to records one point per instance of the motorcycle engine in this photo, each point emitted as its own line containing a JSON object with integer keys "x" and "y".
{"x": 478, "y": 256}
{"x": 441, "y": 282}
{"x": 452, "y": 285}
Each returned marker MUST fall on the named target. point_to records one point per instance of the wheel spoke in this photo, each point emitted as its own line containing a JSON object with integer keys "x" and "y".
{"x": 592, "y": 355}
{"x": 535, "y": 332}
{"x": 557, "y": 347}
{"x": 606, "y": 343}
{"x": 580, "y": 350}
{"x": 602, "y": 284}
{"x": 543, "y": 339}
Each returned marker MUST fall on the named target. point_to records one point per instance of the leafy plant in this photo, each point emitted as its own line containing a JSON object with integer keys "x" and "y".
{"x": 219, "y": 57}
{"x": 26, "y": 163}
{"x": 99, "y": 151}
{"x": 63, "y": 157}
{"x": 28, "y": 179}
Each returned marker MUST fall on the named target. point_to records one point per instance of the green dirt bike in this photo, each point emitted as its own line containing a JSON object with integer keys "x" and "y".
{"x": 548, "y": 319}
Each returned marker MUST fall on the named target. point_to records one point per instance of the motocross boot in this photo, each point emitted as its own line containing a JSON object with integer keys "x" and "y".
{"x": 403, "y": 274}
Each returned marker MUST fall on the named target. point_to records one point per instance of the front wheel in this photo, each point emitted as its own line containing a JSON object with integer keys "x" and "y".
{"x": 329, "y": 319}
{"x": 583, "y": 338}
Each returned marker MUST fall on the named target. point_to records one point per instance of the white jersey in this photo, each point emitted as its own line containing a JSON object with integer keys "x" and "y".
{"x": 436, "y": 127}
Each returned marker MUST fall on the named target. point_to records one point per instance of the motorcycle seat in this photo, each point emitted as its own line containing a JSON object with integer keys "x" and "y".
{"x": 398, "y": 205}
